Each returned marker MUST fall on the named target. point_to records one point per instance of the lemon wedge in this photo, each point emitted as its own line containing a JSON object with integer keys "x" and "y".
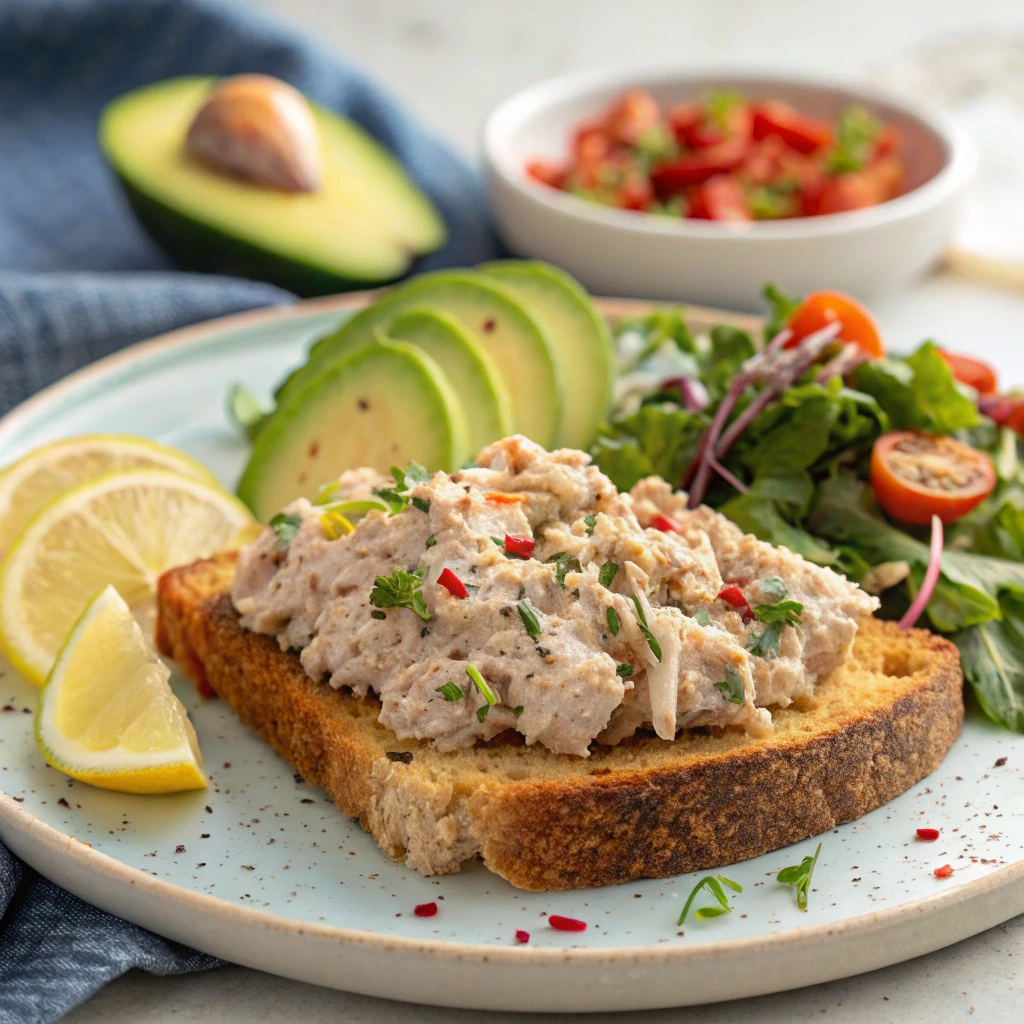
{"x": 107, "y": 715}
{"x": 122, "y": 528}
{"x": 28, "y": 484}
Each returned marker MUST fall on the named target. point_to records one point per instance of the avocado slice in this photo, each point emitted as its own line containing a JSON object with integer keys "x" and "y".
{"x": 580, "y": 334}
{"x": 364, "y": 226}
{"x": 510, "y": 334}
{"x": 472, "y": 372}
{"x": 381, "y": 405}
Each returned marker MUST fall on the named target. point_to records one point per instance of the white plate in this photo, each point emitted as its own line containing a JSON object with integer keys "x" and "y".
{"x": 263, "y": 870}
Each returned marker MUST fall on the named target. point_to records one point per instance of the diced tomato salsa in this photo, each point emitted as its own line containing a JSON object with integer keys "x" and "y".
{"x": 728, "y": 158}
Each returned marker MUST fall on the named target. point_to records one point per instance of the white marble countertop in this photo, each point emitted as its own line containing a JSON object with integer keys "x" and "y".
{"x": 451, "y": 60}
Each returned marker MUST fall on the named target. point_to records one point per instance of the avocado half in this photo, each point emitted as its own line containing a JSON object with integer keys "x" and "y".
{"x": 365, "y": 225}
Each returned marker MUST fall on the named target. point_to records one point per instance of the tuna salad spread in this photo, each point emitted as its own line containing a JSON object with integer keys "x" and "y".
{"x": 527, "y": 593}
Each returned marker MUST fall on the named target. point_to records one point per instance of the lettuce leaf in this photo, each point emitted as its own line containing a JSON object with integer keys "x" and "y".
{"x": 918, "y": 393}
{"x": 991, "y": 658}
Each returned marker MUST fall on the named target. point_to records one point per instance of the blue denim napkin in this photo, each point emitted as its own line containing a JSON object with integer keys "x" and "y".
{"x": 79, "y": 279}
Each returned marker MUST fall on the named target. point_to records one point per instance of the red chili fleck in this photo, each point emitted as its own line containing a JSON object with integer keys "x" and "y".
{"x": 489, "y": 325}
{"x": 425, "y": 909}
{"x": 452, "y": 584}
{"x": 522, "y": 546}
{"x": 929, "y": 835}
{"x": 521, "y": 936}
{"x": 566, "y": 924}
{"x": 734, "y": 596}
{"x": 663, "y": 523}
{"x": 944, "y": 872}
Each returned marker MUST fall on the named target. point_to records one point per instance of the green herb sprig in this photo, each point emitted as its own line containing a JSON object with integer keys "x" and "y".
{"x": 731, "y": 687}
{"x": 286, "y": 527}
{"x": 799, "y": 876}
{"x": 400, "y": 590}
{"x": 713, "y": 884}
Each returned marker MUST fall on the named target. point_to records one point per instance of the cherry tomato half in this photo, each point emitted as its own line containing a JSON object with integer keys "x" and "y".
{"x": 1006, "y": 410}
{"x": 916, "y": 476}
{"x": 968, "y": 370}
{"x": 820, "y": 309}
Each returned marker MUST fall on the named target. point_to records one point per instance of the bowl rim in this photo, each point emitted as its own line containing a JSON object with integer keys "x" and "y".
{"x": 956, "y": 171}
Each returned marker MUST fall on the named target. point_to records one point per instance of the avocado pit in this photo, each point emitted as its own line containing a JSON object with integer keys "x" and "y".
{"x": 261, "y": 129}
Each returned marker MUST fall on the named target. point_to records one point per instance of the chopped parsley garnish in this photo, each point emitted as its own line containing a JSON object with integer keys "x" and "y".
{"x": 799, "y": 876}
{"x": 517, "y": 711}
{"x": 451, "y": 691}
{"x": 767, "y": 644}
{"x": 786, "y": 612}
{"x": 624, "y": 670}
{"x": 500, "y": 541}
{"x": 375, "y": 614}
{"x": 731, "y": 687}
{"x": 563, "y": 564}
{"x": 400, "y": 590}
{"x": 591, "y": 522}
{"x": 701, "y": 617}
{"x": 521, "y": 594}
{"x": 482, "y": 685}
{"x": 713, "y": 884}
{"x": 481, "y": 712}
{"x": 613, "y": 622}
{"x": 608, "y": 573}
{"x": 395, "y": 497}
{"x": 286, "y": 527}
{"x": 641, "y": 620}
{"x": 774, "y": 588}
{"x": 529, "y": 616}
{"x": 431, "y": 541}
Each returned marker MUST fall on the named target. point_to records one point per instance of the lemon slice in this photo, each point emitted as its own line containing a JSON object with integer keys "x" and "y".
{"x": 32, "y": 481}
{"x": 107, "y": 715}
{"x": 122, "y": 528}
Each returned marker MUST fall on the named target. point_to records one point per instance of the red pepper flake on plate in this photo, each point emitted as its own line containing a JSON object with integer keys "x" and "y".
{"x": 522, "y": 937}
{"x": 425, "y": 909}
{"x": 566, "y": 924}
{"x": 662, "y": 523}
{"x": 944, "y": 872}
{"x": 521, "y": 546}
{"x": 452, "y": 584}
{"x": 928, "y": 835}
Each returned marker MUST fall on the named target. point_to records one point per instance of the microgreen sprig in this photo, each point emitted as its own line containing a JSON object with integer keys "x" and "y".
{"x": 713, "y": 883}
{"x": 799, "y": 876}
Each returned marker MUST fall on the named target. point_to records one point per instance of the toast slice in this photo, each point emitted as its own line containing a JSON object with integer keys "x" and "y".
{"x": 642, "y": 809}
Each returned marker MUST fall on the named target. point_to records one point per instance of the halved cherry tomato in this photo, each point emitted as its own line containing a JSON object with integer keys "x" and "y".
{"x": 696, "y": 168}
{"x": 720, "y": 198}
{"x": 969, "y": 370}
{"x": 634, "y": 192}
{"x": 804, "y": 134}
{"x": 820, "y": 309}
{"x": 916, "y": 476}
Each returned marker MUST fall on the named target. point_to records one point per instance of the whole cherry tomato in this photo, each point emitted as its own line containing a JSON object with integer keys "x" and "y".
{"x": 820, "y": 309}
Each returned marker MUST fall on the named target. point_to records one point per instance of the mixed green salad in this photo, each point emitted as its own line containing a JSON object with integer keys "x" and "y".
{"x": 816, "y": 439}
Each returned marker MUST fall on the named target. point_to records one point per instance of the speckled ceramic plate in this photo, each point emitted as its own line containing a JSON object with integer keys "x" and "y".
{"x": 263, "y": 870}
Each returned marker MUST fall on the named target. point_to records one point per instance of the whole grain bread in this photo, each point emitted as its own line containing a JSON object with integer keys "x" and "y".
{"x": 642, "y": 809}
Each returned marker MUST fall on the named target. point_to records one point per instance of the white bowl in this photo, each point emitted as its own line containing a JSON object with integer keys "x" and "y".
{"x": 620, "y": 252}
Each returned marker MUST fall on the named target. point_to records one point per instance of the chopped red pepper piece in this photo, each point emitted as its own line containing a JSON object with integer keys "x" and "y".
{"x": 521, "y": 546}
{"x": 801, "y": 133}
{"x": 734, "y": 596}
{"x": 522, "y": 937}
{"x": 566, "y": 924}
{"x": 944, "y": 872}
{"x": 425, "y": 909}
{"x": 696, "y": 168}
{"x": 452, "y": 584}
{"x": 663, "y": 523}
{"x": 928, "y": 835}
{"x": 720, "y": 198}
{"x": 500, "y": 498}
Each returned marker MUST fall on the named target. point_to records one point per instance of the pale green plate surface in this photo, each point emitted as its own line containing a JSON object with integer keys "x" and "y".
{"x": 264, "y": 870}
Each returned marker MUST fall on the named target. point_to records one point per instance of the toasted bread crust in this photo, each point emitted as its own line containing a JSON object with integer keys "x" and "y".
{"x": 643, "y": 809}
